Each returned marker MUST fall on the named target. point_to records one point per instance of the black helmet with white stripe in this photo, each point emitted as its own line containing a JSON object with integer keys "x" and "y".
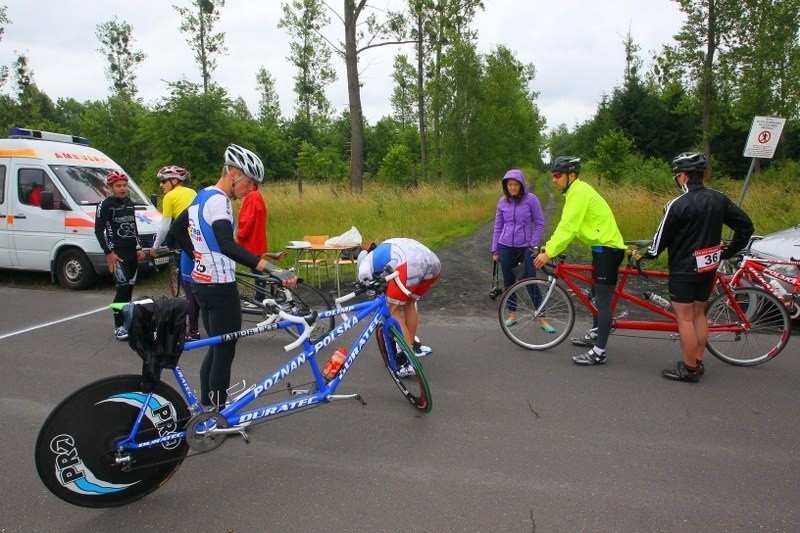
{"x": 566, "y": 164}
{"x": 246, "y": 161}
{"x": 689, "y": 162}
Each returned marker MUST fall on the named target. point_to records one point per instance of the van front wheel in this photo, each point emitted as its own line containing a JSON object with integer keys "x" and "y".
{"x": 74, "y": 271}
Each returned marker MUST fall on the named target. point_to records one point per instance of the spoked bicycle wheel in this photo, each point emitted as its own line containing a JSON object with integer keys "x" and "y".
{"x": 301, "y": 300}
{"x": 75, "y": 451}
{"x": 750, "y": 330}
{"x": 413, "y": 386}
{"x": 174, "y": 281}
{"x": 536, "y": 314}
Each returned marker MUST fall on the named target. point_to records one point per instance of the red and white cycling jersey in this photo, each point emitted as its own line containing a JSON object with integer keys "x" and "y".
{"x": 418, "y": 266}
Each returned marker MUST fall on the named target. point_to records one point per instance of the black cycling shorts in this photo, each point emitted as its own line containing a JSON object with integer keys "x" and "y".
{"x": 685, "y": 291}
{"x": 606, "y": 263}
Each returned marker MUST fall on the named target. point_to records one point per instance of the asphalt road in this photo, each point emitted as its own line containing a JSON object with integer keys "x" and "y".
{"x": 517, "y": 440}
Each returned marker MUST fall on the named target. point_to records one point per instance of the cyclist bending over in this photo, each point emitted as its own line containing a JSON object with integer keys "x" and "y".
{"x": 419, "y": 269}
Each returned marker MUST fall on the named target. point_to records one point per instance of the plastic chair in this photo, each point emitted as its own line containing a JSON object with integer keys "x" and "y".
{"x": 349, "y": 258}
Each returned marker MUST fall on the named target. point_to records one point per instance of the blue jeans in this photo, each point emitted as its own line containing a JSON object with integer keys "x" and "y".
{"x": 514, "y": 261}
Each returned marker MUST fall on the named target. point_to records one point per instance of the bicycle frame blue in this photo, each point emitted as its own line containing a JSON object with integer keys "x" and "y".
{"x": 376, "y": 308}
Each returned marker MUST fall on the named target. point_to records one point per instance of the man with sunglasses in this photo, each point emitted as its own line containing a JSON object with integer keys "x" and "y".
{"x": 206, "y": 228}
{"x": 173, "y": 182}
{"x": 587, "y": 216}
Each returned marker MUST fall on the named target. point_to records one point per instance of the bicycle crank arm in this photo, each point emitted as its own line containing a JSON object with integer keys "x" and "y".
{"x": 331, "y": 397}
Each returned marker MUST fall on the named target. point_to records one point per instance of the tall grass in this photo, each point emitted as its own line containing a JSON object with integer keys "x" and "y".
{"x": 431, "y": 214}
{"x": 770, "y": 200}
{"x": 435, "y": 215}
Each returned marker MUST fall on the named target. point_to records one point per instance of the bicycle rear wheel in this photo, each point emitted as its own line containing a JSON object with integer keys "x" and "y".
{"x": 414, "y": 387}
{"x": 75, "y": 450}
{"x": 174, "y": 281}
{"x": 754, "y": 339}
{"x": 536, "y": 314}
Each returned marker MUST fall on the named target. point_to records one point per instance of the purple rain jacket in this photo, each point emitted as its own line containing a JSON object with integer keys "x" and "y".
{"x": 519, "y": 220}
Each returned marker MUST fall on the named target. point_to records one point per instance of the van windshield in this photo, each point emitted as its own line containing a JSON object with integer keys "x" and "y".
{"x": 87, "y": 185}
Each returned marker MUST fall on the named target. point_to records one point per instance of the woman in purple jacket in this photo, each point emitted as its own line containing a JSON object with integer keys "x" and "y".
{"x": 518, "y": 226}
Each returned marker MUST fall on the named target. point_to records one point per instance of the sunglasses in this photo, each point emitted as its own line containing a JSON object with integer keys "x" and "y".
{"x": 165, "y": 180}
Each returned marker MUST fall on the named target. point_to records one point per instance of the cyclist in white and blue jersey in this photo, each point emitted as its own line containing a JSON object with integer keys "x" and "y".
{"x": 207, "y": 228}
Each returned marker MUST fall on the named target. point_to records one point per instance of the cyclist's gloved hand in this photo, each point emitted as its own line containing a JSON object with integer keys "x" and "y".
{"x": 287, "y": 277}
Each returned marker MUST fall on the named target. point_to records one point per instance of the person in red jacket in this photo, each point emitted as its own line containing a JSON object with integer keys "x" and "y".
{"x": 251, "y": 230}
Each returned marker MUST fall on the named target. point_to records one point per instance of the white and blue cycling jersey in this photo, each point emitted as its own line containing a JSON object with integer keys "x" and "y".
{"x": 210, "y": 264}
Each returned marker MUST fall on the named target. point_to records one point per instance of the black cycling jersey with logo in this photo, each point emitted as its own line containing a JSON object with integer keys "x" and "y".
{"x": 115, "y": 224}
{"x": 693, "y": 222}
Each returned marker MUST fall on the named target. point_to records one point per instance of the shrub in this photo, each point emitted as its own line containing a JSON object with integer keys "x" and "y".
{"x": 396, "y": 166}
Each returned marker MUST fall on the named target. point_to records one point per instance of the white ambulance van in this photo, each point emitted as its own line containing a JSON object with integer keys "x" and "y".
{"x": 50, "y": 185}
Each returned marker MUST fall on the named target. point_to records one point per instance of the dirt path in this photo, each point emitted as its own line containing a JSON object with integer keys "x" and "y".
{"x": 463, "y": 289}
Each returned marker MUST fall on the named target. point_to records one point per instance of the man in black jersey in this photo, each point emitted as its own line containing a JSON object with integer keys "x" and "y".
{"x": 115, "y": 229}
{"x": 691, "y": 231}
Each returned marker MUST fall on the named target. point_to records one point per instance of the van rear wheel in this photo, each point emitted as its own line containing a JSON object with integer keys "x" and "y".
{"x": 74, "y": 270}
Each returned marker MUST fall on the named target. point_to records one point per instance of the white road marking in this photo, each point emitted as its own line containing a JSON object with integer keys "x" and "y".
{"x": 40, "y": 326}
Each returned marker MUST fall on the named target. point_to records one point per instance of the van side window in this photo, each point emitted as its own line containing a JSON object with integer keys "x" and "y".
{"x": 31, "y": 183}
{"x": 2, "y": 184}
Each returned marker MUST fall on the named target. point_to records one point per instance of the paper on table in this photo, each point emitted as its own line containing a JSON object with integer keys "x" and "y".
{"x": 300, "y": 244}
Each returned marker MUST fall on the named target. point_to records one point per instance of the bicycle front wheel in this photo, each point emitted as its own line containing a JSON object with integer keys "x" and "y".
{"x": 536, "y": 314}
{"x": 75, "y": 452}
{"x": 749, "y": 329}
{"x": 301, "y": 300}
{"x": 396, "y": 354}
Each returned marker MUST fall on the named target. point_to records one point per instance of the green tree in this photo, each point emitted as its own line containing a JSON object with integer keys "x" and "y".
{"x": 404, "y": 94}
{"x": 192, "y": 128}
{"x": 460, "y": 130}
{"x": 638, "y": 112}
{"x": 113, "y": 126}
{"x": 310, "y": 54}
{"x": 69, "y": 112}
{"x": 613, "y": 150}
{"x": 438, "y": 26}
{"x": 198, "y": 25}
{"x": 34, "y": 108}
{"x": 510, "y": 125}
{"x": 121, "y": 59}
{"x": 706, "y": 29}
{"x": 763, "y": 64}
{"x": 3, "y": 21}
{"x": 396, "y": 167}
{"x": 269, "y": 109}
{"x": 387, "y": 31}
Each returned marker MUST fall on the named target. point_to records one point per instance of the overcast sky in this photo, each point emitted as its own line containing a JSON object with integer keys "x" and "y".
{"x": 575, "y": 45}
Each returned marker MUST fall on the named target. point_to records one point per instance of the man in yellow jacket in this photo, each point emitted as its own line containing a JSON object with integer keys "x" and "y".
{"x": 588, "y": 217}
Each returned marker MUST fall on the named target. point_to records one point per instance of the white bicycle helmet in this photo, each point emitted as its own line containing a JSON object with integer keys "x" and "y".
{"x": 246, "y": 161}
{"x": 174, "y": 172}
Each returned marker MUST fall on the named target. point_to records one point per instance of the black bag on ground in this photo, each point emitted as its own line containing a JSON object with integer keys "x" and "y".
{"x": 156, "y": 331}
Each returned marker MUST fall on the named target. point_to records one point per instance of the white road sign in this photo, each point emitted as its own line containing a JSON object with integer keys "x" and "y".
{"x": 765, "y": 132}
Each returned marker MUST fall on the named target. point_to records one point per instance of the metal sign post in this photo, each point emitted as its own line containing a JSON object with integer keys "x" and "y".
{"x": 765, "y": 132}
